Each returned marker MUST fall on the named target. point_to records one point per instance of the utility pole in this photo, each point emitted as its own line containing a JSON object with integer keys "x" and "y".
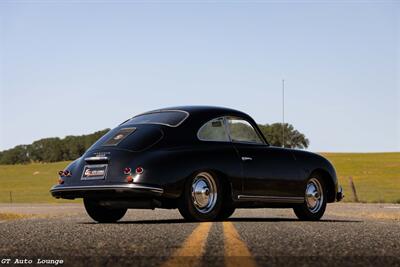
{"x": 283, "y": 113}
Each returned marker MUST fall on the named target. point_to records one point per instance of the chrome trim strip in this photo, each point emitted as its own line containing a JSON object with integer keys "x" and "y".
{"x": 96, "y": 158}
{"x": 55, "y": 188}
{"x": 272, "y": 198}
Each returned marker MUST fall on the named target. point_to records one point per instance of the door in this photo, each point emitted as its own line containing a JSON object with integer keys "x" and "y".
{"x": 269, "y": 173}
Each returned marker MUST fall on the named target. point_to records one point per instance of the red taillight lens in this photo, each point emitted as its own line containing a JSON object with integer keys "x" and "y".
{"x": 64, "y": 173}
{"x": 127, "y": 171}
{"x": 60, "y": 181}
{"x": 139, "y": 170}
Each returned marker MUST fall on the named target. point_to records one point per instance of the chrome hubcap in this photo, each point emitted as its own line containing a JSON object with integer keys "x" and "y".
{"x": 204, "y": 192}
{"x": 314, "y": 195}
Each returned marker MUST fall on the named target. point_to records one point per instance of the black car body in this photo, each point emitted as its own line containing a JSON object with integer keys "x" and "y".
{"x": 151, "y": 160}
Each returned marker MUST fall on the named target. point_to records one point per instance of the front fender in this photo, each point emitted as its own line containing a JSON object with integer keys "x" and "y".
{"x": 310, "y": 163}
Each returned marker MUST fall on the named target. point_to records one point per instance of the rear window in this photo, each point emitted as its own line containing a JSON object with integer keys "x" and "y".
{"x": 172, "y": 118}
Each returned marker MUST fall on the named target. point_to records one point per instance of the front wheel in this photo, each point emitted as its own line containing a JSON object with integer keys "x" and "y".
{"x": 102, "y": 214}
{"x": 201, "y": 198}
{"x": 314, "y": 205}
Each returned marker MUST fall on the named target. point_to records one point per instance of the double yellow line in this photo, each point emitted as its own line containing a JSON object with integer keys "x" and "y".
{"x": 235, "y": 249}
{"x": 190, "y": 253}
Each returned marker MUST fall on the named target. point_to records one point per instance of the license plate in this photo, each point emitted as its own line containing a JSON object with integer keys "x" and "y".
{"x": 93, "y": 172}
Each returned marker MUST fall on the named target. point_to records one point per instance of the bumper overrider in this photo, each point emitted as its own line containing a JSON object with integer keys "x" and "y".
{"x": 339, "y": 194}
{"x": 114, "y": 191}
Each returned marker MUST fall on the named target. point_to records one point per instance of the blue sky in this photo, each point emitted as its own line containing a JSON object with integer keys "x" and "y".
{"x": 71, "y": 68}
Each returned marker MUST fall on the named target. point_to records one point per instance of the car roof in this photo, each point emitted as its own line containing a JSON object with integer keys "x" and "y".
{"x": 205, "y": 111}
{"x": 198, "y": 115}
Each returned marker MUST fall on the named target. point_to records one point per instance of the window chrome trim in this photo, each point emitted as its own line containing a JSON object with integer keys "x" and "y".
{"x": 224, "y": 125}
{"x": 161, "y": 111}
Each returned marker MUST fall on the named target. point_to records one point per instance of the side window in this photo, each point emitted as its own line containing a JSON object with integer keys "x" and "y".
{"x": 213, "y": 130}
{"x": 242, "y": 131}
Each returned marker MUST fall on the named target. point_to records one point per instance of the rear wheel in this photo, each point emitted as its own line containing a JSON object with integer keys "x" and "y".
{"x": 202, "y": 198}
{"x": 314, "y": 205}
{"x": 102, "y": 214}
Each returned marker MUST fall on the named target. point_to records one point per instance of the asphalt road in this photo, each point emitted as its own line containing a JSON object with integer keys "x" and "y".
{"x": 348, "y": 235}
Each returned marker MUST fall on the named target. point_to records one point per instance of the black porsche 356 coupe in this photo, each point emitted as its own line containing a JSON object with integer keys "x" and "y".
{"x": 205, "y": 161}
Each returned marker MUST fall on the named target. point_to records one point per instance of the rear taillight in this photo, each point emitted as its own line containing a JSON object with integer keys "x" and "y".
{"x": 66, "y": 173}
{"x": 60, "y": 181}
{"x": 127, "y": 171}
{"x": 139, "y": 170}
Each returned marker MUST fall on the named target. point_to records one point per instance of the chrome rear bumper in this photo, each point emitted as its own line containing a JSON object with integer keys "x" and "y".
{"x": 70, "y": 192}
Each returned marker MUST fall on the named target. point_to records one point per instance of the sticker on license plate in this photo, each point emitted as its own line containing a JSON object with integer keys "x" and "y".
{"x": 92, "y": 172}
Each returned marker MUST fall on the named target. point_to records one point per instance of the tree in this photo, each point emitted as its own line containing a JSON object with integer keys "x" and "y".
{"x": 293, "y": 138}
{"x": 50, "y": 149}
{"x": 47, "y": 150}
{"x": 18, "y": 154}
{"x": 73, "y": 147}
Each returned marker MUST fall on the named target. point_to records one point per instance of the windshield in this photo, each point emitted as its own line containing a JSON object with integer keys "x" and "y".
{"x": 172, "y": 118}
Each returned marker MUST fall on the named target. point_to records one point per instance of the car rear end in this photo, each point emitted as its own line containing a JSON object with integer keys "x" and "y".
{"x": 113, "y": 171}
{"x": 113, "y": 167}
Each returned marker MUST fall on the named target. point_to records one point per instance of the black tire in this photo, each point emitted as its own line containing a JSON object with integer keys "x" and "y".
{"x": 225, "y": 213}
{"x": 307, "y": 212}
{"x": 102, "y": 214}
{"x": 187, "y": 204}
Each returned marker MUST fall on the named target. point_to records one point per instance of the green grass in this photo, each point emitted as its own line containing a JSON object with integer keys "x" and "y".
{"x": 29, "y": 183}
{"x": 376, "y": 177}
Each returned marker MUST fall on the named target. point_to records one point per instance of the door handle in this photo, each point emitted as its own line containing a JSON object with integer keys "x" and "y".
{"x": 247, "y": 158}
